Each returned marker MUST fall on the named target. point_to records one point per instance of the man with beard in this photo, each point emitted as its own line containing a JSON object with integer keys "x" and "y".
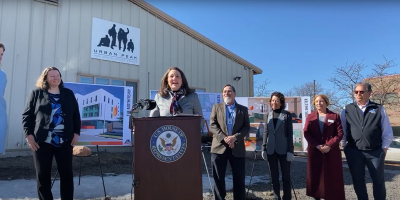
{"x": 229, "y": 122}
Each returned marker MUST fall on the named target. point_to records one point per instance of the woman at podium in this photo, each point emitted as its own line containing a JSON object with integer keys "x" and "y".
{"x": 175, "y": 96}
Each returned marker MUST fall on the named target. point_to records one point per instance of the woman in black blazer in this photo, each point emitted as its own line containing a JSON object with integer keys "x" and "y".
{"x": 51, "y": 123}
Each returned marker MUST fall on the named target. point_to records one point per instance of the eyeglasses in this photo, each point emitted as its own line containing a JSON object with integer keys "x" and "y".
{"x": 361, "y": 92}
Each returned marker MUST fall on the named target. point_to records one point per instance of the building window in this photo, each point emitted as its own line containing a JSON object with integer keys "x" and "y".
{"x": 110, "y": 81}
{"x": 117, "y": 82}
{"x": 198, "y": 90}
{"x": 84, "y": 79}
{"x": 102, "y": 81}
{"x": 95, "y": 99}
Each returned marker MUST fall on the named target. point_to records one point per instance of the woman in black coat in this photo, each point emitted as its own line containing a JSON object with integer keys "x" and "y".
{"x": 51, "y": 123}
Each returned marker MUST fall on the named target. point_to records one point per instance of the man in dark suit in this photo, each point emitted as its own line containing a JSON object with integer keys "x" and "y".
{"x": 229, "y": 122}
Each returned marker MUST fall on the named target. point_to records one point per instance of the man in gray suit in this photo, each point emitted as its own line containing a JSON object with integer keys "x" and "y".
{"x": 229, "y": 122}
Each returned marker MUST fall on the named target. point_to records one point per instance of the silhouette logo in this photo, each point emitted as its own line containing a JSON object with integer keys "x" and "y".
{"x": 122, "y": 38}
{"x": 115, "y": 42}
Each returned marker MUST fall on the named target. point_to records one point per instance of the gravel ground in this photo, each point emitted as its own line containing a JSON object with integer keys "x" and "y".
{"x": 121, "y": 163}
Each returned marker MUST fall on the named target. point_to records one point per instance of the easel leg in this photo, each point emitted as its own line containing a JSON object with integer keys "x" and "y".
{"x": 54, "y": 179}
{"x": 252, "y": 169}
{"x": 205, "y": 164}
{"x": 101, "y": 171}
{"x": 80, "y": 172}
{"x": 294, "y": 192}
{"x": 133, "y": 169}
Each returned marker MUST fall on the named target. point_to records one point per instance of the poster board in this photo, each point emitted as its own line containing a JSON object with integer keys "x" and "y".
{"x": 105, "y": 111}
{"x": 258, "y": 108}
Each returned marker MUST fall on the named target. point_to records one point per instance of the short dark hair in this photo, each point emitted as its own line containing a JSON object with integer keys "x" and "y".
{"x": 281, "y": 99}
{"x": 367, "y": 85}
{"x": 2, "y": 46}
{"x": 233, "y": 88}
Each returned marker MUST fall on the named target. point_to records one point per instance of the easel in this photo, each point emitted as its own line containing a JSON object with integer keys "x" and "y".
{"x": 252, "y": 170}
{"x": 80, "y": 170}
{"x": 269, "y": 173}
{"x": 204, "y": 158}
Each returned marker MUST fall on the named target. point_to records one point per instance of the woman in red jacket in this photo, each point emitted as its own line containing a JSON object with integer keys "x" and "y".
{"x": 323, "y": 132}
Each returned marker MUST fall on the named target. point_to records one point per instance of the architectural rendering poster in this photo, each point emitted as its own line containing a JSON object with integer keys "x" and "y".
{"x": 258, "y": 108}
{"x": 115, "y": 42}
{"x": 207, "y": 100}
{"x": 104, "y": 113}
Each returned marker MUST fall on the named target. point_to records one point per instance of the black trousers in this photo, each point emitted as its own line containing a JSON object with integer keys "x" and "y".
{"x": 274, "y": 171}
{"x": 43, "y": 159}
{"x": 375, "y": 161}
{"x": 219, "y": 163}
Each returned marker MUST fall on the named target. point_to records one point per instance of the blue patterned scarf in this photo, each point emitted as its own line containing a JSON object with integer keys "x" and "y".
{"x": 175, "y": 109}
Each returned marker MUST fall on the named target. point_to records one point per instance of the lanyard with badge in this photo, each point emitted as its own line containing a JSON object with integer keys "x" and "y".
{"x": 231, "y": 114}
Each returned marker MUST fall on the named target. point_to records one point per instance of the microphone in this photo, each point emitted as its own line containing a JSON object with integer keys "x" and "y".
{"x": 144, "y": 104}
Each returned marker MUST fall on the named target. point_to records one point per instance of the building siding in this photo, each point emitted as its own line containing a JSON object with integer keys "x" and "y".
{"x": 38, "y": 35}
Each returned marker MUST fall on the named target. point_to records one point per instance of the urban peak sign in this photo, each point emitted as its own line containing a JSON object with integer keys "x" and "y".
{"x": 115, "y": 42}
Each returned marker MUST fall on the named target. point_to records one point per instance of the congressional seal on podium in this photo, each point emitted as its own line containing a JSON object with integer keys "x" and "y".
{"x": 168, "y": 143}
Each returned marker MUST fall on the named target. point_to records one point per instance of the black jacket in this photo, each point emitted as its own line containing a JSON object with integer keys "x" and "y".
{"x": 36, "y": 116}
{"x": 364, "y": 130}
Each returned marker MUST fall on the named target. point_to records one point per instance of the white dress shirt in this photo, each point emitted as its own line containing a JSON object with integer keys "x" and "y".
{"x": 387, "y": 131}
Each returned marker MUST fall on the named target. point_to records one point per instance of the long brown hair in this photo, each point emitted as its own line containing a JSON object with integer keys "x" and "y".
{"x": 164, "y": 83}
{"x": 42, "y": 80}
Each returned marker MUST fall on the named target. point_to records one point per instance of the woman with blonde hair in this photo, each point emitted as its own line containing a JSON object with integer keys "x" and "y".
{"x": 51, "y": 123}
{"x": 323, "y": 132}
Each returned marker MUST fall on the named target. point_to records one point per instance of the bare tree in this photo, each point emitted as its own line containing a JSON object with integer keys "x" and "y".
{"x": 309, "y": 89}
{"x": 261, "y": 88}
{"x": 385, "y": 85}
{"x": 290, "y": 93}
{"x": 345, "y": 77}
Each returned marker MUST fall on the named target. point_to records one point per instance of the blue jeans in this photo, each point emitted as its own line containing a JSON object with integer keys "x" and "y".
{"x": 374, "y": 159}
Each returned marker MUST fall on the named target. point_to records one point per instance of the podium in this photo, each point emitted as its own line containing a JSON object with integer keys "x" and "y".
{"x": 167, "y": 158}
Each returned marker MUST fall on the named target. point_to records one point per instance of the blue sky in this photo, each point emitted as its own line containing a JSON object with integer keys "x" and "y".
{"x": 296, "y": 41}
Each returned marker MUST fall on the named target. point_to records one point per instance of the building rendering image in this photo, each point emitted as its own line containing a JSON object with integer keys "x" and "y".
{"x": 100, "y": 113}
